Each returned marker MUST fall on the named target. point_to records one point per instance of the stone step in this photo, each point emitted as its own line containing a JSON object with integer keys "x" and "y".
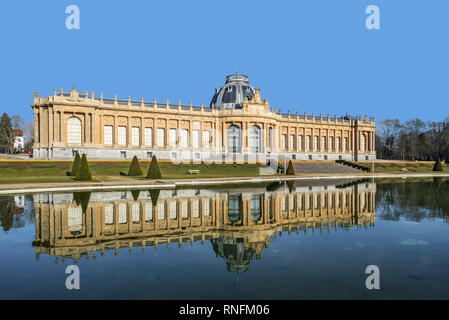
{"x": 322, "y": 167}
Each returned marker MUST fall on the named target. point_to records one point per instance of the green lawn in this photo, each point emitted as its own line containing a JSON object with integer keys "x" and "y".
{"x": 55, "y": 171}
{"x": 397, "y": 167}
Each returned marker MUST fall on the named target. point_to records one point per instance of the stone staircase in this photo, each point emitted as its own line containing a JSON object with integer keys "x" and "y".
{"x": 322, "y": 167}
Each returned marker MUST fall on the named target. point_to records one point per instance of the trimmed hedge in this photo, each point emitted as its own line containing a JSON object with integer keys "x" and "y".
{"x": 438, "y": 166}
{"x": 84, "y": 171}
{"x": 154, "y": 172}
{"x": 82, "y": 198}
{"x": 135, "y": 169}
{"x": 76, "y": 165}
{"x": 290, "y": 169}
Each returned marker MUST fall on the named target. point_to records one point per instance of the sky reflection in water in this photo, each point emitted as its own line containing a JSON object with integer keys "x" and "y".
{"x": 307, "y": 240}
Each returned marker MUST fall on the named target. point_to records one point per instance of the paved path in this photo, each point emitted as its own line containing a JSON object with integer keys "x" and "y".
{"x": 170, "y": 184}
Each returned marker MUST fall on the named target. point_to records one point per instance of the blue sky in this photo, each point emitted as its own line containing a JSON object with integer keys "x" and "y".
{"x": 306, "y": 56}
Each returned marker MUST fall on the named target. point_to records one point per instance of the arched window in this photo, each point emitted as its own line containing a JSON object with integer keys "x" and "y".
{"x": 254, "y": 136}
{"x": 234, "y": 144}
{"x": 74, "y": 130}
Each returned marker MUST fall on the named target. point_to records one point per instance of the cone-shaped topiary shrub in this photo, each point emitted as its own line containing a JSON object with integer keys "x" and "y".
{"x": 135, "y": 194}
{"x": 154, "y": 172}
{"x": 290, "y": 185}
{"x": 82, "y": 198}
{"x": 274, "y": 186}
{"x": 154, "y": 195}
{"x": 438, "y": 166}
{"x": 290, "y": 169}
{"x": 135, "y": 169}
{"x": 84, "y": 171}
{"x": 76, "y": 165}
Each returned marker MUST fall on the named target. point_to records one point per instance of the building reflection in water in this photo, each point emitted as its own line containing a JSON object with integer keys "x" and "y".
{"x": 239, "y": 222}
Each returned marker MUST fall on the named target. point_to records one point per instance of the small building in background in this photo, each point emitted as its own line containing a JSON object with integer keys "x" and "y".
{"x": 19, "y": 141}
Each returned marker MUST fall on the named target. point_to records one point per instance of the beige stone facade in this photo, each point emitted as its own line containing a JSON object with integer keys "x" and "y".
{"x": 116, "y": 220}
{"x": 69, "y": 122}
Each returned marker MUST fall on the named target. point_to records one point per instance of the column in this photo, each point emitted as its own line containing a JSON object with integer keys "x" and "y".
{"x": 115, "y": 140}
{"x": 62, "y": 127}
{"x": 36, "y": 126}
{"x": 85, "y": 129}
{"x": 92, "y": 121}
{"x": 50, "y": 127}
{"x": 128, "y": 131}
{"x": 153, "y": 136}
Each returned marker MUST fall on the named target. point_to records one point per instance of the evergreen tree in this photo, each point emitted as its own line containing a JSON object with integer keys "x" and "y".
{"x": 135, "y": 169}
{"x": 290, "y": 169}
{"x": 290, "y": 185}
{"x": 76, "y": 165}
{"x": 438, "y": 166}
{"x": 82, "y": 198}
{"x": 6, "y": 133}
{"x": 154, "y": 172}
{"x": 84, "y": 171}
{"x": 135, "y": 194}
{"x": 154, "y": 195}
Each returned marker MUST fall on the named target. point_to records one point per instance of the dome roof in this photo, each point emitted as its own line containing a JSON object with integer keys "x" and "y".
{"x": 233, "y": 92}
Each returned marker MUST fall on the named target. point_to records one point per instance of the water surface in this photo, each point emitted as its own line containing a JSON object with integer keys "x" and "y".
{"x": 303, "y": 240}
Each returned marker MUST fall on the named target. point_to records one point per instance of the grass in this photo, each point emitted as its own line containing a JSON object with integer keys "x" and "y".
{"x": 56, "y": 171}
{"x": 398, "y": 167}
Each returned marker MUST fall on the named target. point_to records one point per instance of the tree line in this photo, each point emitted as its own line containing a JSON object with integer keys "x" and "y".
{"x": 7, "y": 137}
{"x": 412, "y": 140}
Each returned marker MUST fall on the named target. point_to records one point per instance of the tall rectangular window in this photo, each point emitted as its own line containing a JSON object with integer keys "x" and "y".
{"x": 283, "y": 142}
{"x": 108, "y": 135}
{"x": 148, "y": 136}
{"x": 196, "y": 208}
{"x": 206, "y": 138}
{"x": 292, "y": 141}
{"x": 109, "y": 214}
{"x": 148, "y": 212}
{"x": 299, "y": 142}
{"x": 338, "y": 144}
{"x": 206, "y": 208}
{"x": 345, "y": 143}
{"x": 184, "y": 138}
{"x": 196, "y": 138}
{"x": 173, "y": 210}
{"x": 184, "y": 209}
{"x": 122, "y": 136}
{"x": 315, "y": 143}
{"x": 135, "y": 209}
{"x": 160, "y": 137}
{"x": 308, "y": 143}
{"x": 331, "y": 143}
{"x": 161, "y": 210}
{"x": 135, "y": 136}
{"x": 323, "y": 143}
{"x": 172, "y": 138}
{"x": 122, "y": 213}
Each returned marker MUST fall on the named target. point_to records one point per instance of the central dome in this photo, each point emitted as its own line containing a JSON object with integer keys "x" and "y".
{"x": 233, "y": 92}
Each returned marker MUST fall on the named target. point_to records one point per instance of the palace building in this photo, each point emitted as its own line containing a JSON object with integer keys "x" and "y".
{"x": 238, "y": 124}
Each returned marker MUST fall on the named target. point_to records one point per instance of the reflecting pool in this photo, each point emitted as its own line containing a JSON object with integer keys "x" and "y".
{"x": 296, "y": 240}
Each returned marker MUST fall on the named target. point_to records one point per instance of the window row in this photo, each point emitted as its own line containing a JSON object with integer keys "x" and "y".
{"x": 322, "y": 145}
{"x": 148, "y": 211}
{"x": 173, "y": 139}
